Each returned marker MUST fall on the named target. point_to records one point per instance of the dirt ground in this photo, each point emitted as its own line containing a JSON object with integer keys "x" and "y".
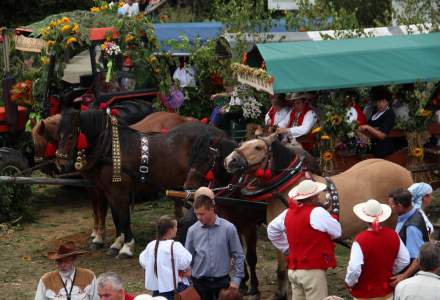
{"x": 65, "y": 214}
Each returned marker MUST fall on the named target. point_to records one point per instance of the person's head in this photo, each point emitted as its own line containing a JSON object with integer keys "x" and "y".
{"x": 67, "y": 264}
{"x": 372, "y": 212}
{"x": 350, "y": 97}
{"x": 110, "y": 286}
{"x": 307, "y": 191}
{"x": 65, "y": 257}
{"x": 429, "y": 257}
{"x": 299, "y": 100}
{"x": 400, "y": 200}
{"x": 421, "y": 194}
{"x": 166, "y": 228}
{"x": 381, "y": 97}
{"x": 204, "y": 206}
{"x": 278, "y": 101}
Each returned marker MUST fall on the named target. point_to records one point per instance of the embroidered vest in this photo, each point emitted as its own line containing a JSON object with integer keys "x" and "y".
{"x": 380, "y": 250}
{"x": 52, "y": 280}
{"x": 308, "y": 248}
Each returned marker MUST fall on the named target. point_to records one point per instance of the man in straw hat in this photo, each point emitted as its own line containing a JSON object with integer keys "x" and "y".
{"x": 68, "y": 282}
{"x": 376, "y": 254}
{"x": 301, "y": 121}
{"x": 304, "y": 233}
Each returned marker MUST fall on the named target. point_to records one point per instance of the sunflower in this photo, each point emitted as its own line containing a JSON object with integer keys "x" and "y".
{"x": 335, "y": 120}
{"x": 325, "y": 137}
{"x": 316, "y": 130}
{"x": 50, "y": 43}
{"x": 327, "y": 155}
{"x": 71, "y": 40}
{"x": 75, "y": 28}
{"x": 417, "y": 152}
{"x": 425, "y": 113}
{"x": 44, "y": 60}
{"x": 129, "y": 38}
{"x": 66, "y": 28}
{"x": 95, "y": 9}
{"x": 65, "y": 20}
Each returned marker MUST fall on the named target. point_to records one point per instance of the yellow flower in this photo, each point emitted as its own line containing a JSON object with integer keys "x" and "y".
{"x": 44, "y": 60}
{"x": 75, "y": 28}
{"x": 152, "y": 59}
{"x": 95, "y": 9}
{"x": 53, "y": 24}
{"x": 129, "y": 38}
{"x": 65, "y": 28}
{"x": 417, "y": 152}
{"x": 71, "y": 40}
{"x": 65, "y": 20}
{"x": 50, "y": 43}
{"x": 103, "y": 46}
{"x": 316, "y": 130}
{"x": 121, "y": 3}
{"x": 157, "y": 71}
{"x": 325, "y": 137}
{"x": 335, "y": 120}
{"x": 327, "y": 155}
{"x": 425, "y": 113}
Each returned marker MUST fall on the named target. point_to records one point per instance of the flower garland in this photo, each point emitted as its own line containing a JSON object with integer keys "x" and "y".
{"x": 257, "y": 73}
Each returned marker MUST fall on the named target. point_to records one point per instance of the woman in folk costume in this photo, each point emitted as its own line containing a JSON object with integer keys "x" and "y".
{"x": 355, "y": 112}
{"x": 421, "y": 198}
{"x": 301, "y": 120}
{"x": 376, "y": 254}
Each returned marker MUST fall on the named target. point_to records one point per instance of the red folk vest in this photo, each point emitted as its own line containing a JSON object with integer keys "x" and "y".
{"x": 308, "y": 248}
{"x": 379, "y": 249}
{"x": 361, "y": 119}
{"x": 300, "y": 117}
{"x": 272, "y": 111}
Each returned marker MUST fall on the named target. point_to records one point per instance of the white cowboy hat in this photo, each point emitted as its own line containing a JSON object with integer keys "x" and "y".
{"x": 372, "y": 210}
{"x": 144, "y": 297}
{"x": 295, "y": 96}
{"x": 306, "y": 189}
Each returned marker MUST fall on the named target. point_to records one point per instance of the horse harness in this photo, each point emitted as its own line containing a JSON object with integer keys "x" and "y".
{"x": 145, "y": 157}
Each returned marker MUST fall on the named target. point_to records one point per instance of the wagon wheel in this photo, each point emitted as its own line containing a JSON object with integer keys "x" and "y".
{"x": 14, "y": 198}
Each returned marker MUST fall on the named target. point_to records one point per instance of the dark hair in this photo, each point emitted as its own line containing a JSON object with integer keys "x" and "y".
{"x": 379, "y": 93}
{"x": 164, "y": 224}
{"x": 401, "y": 196}
{"x": 204, "y": 201}
{"x": 429, "y": 256}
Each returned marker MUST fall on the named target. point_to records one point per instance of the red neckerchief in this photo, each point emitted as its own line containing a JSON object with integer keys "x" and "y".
{"x": 361, "y": 119}
{"x": 300, "y": 117}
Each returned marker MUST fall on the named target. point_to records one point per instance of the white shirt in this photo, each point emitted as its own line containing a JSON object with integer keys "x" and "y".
{"x": 185, "y": 76}
{"x": 281, "y": 119}
{"x": 309, "y": 121}
{"x": 354, "y": 268}
{"x": 422, "y": 286}
{"x": 164, "y": 280}
{"x": 320, "y": 219}
{"x": 351, "y": 115}
{"x": 90, "y": 292}
{"x": 130, "y": 10}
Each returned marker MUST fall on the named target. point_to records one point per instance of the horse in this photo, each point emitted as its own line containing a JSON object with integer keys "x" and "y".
{"x": 372, "y": 178}
{"x": 207, "y": 156}
{"x": 167, "y": 156}
{"x": 45, "y": 131}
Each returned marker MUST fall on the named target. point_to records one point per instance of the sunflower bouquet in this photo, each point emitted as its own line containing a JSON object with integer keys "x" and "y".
{"x": 61, "y": 34}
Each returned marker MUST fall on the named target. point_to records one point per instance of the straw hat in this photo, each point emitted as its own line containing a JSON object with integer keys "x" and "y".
{"x": 204, "y": 191}
{"x": 143, "y": 297}
{"x": 372, "y": 210}
{"x": 295, "y": 96}
{"x": 306, "y": 189}
{"x": 65, "y": 250}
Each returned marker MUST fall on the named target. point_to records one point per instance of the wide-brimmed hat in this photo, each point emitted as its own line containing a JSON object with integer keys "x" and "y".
{"x": 372, "y": 210}
{"x": 306, "y": 189}
{"x": 204, "y": 191}
{"x": 65, "y": 250}
{"x": 295, "y": 96}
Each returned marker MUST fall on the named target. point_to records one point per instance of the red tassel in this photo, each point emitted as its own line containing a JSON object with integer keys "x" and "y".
{"x": 259, "y": 173}
{"x": 375, "y": 226}
{"x": 82, "y": 142}
{"x": 164, "y": 130}
{"x": 209, "y": 176}
{"x": 267, "y": 174}
{"x": 50, "y": 150}
{"x": 84, "y": 107}
{"x": 115, "y": 112}
{"x": 204, "y": 120}
{"x": 103, "y": 105}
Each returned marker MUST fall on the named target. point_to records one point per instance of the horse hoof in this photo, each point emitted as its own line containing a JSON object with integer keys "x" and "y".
{"x": 96, "y": 246}
{"x": 124, "y": 256}
{"x": 112, "y": 251}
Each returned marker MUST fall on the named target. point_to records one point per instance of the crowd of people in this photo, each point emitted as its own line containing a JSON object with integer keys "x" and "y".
{"x": 384, "y": 263}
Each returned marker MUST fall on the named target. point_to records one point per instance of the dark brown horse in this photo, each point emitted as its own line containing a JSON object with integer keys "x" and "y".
{"x": 167, "y": 167}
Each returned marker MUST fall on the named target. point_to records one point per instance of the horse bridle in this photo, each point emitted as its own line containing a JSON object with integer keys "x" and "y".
{"x": 213, "y": 157}
{"x": 266, "y": 157}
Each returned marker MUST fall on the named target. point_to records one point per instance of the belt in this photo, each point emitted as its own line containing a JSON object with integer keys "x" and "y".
{"x": 212, "y": 279}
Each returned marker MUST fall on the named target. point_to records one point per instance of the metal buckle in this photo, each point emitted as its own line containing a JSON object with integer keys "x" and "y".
{"x": 143, "y": 169}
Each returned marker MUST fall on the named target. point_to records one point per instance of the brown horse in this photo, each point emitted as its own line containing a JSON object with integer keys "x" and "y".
{"x": 167, "y": 161}
{"x": 372, "y": 178}
{"x": 45, "y": 131}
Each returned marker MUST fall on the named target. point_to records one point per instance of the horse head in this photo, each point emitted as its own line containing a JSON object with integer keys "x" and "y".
{"x": 206, "y": 161}
{"x": 43, "y": 133}
{"x": 67, "y": 135}
{"x": 251, "y": 155}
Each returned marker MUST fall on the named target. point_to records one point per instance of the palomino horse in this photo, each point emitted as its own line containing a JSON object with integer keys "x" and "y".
{"x": 45, "y": 131}
{"x": 167, "y": 161}
{"x": 372, "y": 178}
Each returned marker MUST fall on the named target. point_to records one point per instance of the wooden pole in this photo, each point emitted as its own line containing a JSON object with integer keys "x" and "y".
{"x": 44, "y": 180}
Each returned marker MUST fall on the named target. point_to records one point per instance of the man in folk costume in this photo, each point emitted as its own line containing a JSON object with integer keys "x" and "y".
{"x": 279, "y": 113}
{"x": 376, "y": 254}
{"x": 304, "y": 233}
{"x": 68, "y": 282}
{"x": 301, "y": 121}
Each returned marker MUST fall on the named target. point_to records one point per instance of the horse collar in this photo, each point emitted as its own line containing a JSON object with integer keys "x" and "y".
{"x": 332, "y": 197}
{"x": 145, "y": 156}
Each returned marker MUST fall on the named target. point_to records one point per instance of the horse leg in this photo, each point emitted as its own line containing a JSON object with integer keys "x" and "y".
{"x": 250, "y": 234}
{"x": 102, "y": 206}
{"x": 92, "y": 196}
{"x": 119, "y": 241}
{"x": 127, "y": 249}
{"x": 178, "y": 209}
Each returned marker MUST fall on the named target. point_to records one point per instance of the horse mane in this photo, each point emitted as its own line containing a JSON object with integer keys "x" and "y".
{"x": 51, "y": 127}
{"x": 282, "y": 156}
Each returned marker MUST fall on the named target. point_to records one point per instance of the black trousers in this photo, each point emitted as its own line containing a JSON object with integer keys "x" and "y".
{"x": 209, "y": 287}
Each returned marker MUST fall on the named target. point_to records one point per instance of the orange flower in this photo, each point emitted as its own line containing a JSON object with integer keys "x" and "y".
{"x": 164, "y": 18}
{"x": 65, "y": 20}
{"x": 327, "y": 155}
{"x": 418, "y": 152}
{"x": 71, "y": 40}
{"x": 316, "y": 130}
{"x": 325, "y": 137}
{"x": 425, "y": 113}
{"x": 66, "y": 28}
{"x": 75, "y": 28}
{"x": 129, "y": 38}
{"x": 95, "y": 9}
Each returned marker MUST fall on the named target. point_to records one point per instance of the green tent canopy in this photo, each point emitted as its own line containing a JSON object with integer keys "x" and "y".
{"x": 333, "y": 64}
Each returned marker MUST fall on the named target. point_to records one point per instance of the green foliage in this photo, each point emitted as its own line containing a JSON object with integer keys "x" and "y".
{"x": 420, "y": 12}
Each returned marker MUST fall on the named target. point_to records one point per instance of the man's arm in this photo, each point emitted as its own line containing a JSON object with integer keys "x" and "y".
{"x": 189, "y": 244}
{"x": 354, "y": 268}
{"x": 236, "y": 252}
{"x": 276, "y": 232}
{"x": 321, "y": 220}
{"x": 402, "y": 259}
{"x": 307, "y": 124}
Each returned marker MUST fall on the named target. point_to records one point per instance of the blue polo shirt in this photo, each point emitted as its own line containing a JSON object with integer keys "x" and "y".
{"x": 414, "y": 237}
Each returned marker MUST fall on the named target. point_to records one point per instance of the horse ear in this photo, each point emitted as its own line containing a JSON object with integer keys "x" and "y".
{"x": 270, "y": 138}
{"x": 215, "y": 141}
{"x": 41, "y": 127}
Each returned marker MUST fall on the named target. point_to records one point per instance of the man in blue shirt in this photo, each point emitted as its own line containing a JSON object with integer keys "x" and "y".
{"x": 215, "y": 247}
{"x": 411, "y": 228}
